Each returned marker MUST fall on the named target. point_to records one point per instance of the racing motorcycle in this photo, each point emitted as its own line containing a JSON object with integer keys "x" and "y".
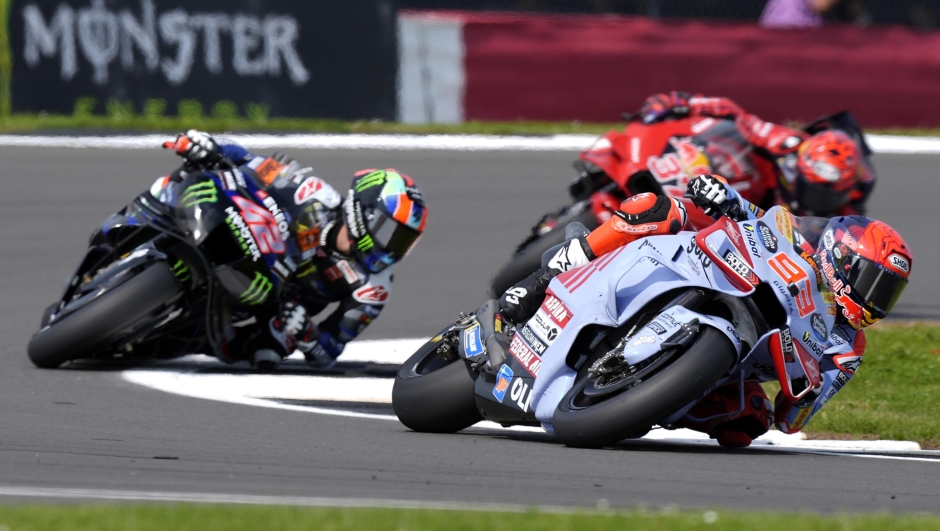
{"x": 635, "y": 338}
{"x": 661, "y": 158}
{"x": 158, "y": 280}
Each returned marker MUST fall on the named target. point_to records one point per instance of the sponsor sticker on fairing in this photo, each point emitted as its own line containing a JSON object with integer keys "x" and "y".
{"x": 767, "y": 237}
{"x": 786, "y": 345}
{"x": 521, "y": 394}
{"x": 819, "y": 327}
{"x": 750, "y": 235}
{"x": 556, "y": 310}
{"x": 472, "y": 343}
{"x": 543, "y": 326}
{"x": 537, "y": 345}
{"x": 503, "y": 379}
{"x": 529, "y": 360}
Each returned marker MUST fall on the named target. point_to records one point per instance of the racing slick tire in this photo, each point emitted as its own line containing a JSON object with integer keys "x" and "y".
{"x": 636, "y": 409}
{"x": 92, "y": 328}
{"x": 434, "y": 395}
{"x": 528, "y": 259}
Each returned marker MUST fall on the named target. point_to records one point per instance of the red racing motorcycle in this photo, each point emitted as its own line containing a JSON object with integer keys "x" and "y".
{"x": 661, "y": 158}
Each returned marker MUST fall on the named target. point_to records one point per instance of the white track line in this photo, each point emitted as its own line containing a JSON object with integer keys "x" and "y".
{"x": 879, "y": 143}
{"x": 248, "y": 499}
{"x": 264, "y": 390}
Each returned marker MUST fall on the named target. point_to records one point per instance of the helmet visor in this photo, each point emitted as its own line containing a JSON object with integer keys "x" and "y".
{"x": 391, "y": 236}
{"x": 821, "y": 199}
{"x": 874, "y": 285}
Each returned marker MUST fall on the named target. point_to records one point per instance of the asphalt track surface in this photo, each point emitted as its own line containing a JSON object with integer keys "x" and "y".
{"x": 88, "y": 428}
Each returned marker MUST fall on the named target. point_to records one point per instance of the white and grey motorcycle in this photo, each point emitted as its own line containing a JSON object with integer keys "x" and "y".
{"x": 635, "y": 338}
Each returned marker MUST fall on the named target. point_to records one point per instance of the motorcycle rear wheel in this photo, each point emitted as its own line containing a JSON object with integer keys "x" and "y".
{"x": 91, "y": 328}
{"x": 434, "y": 395}
{"x": 637, "y": 408}
{"x": 529, "y": 259}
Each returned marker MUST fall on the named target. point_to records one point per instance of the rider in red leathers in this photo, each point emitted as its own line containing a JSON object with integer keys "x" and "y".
{"x": 866, "y": 266}
{"x": 822, "y": 175}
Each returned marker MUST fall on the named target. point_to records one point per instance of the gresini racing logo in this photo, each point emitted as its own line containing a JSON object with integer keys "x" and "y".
{"x": 164, "y": 43}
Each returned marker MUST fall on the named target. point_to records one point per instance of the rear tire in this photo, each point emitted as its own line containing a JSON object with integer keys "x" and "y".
{"x": 433, "y": 395}
{"x": 91, "y": 328}
{"x": 527, "y": 260}
{"x": 638, "y": 408}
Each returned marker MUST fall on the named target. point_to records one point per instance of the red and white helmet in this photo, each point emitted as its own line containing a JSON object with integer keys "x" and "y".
{"x": 828, "y": 166}
{"x": 867, "y": 266}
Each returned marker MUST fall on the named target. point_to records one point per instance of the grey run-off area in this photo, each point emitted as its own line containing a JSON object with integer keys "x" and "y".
{"x": 90, "y": 429}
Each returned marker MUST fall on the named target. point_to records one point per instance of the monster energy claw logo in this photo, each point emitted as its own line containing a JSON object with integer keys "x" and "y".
{"x": 204, "y": 192}
{"x": 257, "y": 292}
{"x": 181, "y": 270}
{"x": 365, "y": 243}
{"x": 373, "y": 179}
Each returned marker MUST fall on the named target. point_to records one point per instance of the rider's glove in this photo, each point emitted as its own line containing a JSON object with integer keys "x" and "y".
{"x": 715, "y": 196}
{"x": 659, "y": 106}
{"x": 196, "y": 147}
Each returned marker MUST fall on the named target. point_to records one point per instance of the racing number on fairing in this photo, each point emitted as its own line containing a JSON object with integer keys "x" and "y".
{"x": 791, "y": 273}
{"x": 263, "y": 226}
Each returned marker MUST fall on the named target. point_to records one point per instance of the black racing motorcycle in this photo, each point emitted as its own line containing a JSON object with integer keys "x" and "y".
{"x": 158, "y": 280}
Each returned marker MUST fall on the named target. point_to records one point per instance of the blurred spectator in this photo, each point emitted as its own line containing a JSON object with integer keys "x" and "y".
{"x": 795, "y": 13}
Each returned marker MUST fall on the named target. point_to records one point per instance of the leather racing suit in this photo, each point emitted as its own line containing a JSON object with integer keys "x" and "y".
{"x": 775, "y": 142}
{"x": 320, "y": 274}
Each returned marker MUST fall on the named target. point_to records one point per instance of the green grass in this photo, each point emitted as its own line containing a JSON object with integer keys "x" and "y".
{"x": 220, "y": 517}
{"x": 896, "y": 392}
{"x": 122, "y": 121}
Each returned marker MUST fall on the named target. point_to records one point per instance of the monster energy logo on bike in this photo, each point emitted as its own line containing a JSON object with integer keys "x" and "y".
{"x": 257, "y": 292}
{"x": 204, "y": 192}
{"x": 241, "y": 231}
{"x": 181, "y": 270}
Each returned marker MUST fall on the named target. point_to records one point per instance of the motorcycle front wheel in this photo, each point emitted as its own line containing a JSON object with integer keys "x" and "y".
{"x": 434, "y": 394}
{"x": 93, "y": 327}
{"x": 586, "y": 418}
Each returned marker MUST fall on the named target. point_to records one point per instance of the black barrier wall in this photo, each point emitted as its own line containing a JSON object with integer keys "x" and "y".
{"x": 303, "y": 58}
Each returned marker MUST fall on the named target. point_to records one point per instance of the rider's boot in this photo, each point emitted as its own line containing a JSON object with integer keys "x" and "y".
{"x": 715, "y": 415}
{"x": 641, "y": 215}
{"x": 520, "y": 302}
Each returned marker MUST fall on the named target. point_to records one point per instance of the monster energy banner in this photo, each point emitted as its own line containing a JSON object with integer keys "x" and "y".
{"x": 313, "y": 58}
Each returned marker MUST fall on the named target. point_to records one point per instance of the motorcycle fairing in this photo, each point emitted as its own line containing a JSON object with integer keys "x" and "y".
{"x": 634, "y": 275}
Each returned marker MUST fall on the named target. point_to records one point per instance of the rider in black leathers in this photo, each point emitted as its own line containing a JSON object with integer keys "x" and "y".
{"x": 337, "y": 250}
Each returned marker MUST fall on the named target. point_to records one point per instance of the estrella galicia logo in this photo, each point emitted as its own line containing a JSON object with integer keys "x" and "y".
{"x": 767, "y": 237}
{"x": 656, "y": 327}
{"x": 503, "y": 378}
{"x": 472, "y": 344}
{"x": 819, "y": 327}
